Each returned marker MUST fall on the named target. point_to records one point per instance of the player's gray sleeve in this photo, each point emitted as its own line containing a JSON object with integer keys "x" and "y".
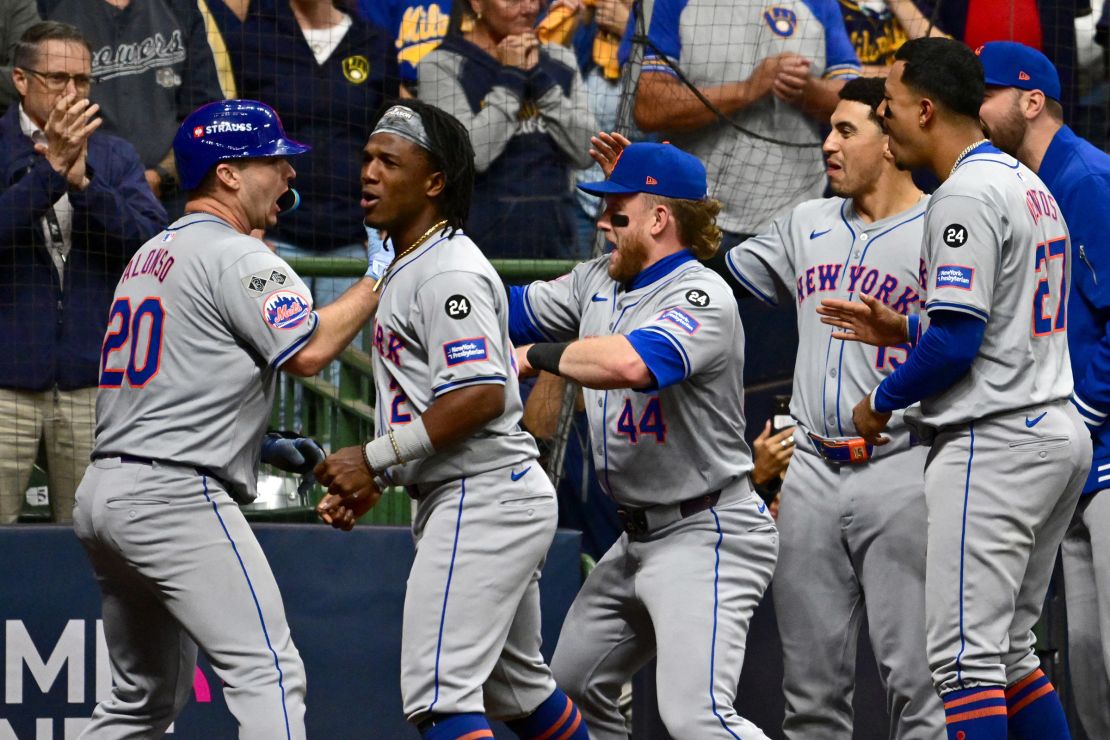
{"x": 266, "y": 305}
{"x": 491, "y": 127}
{"x": 554, "y": 307}
{"x": 698, "y": 320}
{"x": 457, "y": 316}
{"x": 765, "y": 262}
{"x": 567, "y": 116}
{"x": 963, "y": 245}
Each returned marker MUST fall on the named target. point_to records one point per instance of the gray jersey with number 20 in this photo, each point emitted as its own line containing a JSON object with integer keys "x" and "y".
{"x": 202, "y": 319}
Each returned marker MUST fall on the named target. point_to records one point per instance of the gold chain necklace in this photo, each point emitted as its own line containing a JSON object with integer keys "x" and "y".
{"x": 402, "y": 255}
{"x": 964, "y": 153}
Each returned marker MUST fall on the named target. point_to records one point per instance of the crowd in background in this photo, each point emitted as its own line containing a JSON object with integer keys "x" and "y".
{"x": 531, "y": 82}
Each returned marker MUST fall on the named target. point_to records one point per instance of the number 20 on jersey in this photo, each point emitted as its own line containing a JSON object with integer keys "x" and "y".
{"x": 133, "y": 345}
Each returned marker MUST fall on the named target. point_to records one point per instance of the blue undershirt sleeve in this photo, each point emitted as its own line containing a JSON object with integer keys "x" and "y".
{"x": 660, "y": 354}
{"x": 521, "y": 328}
{"x": 943, "y": 354}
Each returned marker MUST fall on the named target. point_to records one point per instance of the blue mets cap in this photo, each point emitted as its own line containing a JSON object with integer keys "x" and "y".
{"x": 1010, "y": 64}
{"x": 659, "y": 169}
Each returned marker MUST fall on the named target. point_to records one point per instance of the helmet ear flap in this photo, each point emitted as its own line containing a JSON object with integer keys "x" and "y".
{"x": 228, "y": 129}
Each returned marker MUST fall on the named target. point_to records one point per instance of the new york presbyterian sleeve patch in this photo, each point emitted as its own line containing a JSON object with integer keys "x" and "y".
{"x": 955, "y": 276}
{"x": 462, "y": 351}
{"x": 683, "y": 320}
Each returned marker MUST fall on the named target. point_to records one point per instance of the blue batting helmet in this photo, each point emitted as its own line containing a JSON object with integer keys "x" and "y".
{"x": 228, "y": 129}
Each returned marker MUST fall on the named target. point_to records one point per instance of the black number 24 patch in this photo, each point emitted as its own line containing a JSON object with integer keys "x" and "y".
{"x": 457, "y": 306}
{"x": 696, "y": 297}
{"x": 955, "y": 235}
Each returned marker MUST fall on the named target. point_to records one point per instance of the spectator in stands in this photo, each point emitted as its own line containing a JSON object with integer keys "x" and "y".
{"x": 774, "y": 71}
{"x": 328, "y": 72}
{"x": 594, "y": 29}
{"x": 1045, "y": 25}
{"x": 16, "y": 16}
{"x": 878, "y": 28}
{"x": 525, "y": 107}
{"x": 153, "y": 66}
{"x": 418, "y": 27}
{"x": 74, "y": 206}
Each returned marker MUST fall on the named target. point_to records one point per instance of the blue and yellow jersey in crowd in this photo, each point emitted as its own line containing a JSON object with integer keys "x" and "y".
{"x": 417, "y": 26}
{"x": 873, "y": 30}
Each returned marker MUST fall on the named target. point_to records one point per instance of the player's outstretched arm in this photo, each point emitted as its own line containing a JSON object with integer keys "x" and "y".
{"x": 871, "y": 322}
{"x": 337, "y": 324}
{"x": 603, "y": 363}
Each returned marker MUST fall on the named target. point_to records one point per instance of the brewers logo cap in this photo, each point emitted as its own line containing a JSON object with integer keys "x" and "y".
{"x": 1010, "y": 64}
{"x": 659, "y": 169}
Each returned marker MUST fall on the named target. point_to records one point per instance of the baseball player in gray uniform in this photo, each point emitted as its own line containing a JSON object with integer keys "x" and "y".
{"x": 852, "y": 517}
{"x": 1010, "y": 453}
{"x": 1024, "y": 116}
{"x": 204, "y": 317}
{"x": 448, "y": 412}
{"x": 656, "y": 340}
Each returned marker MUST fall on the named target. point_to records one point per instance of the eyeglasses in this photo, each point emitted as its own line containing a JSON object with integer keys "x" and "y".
{"x": 60, "y": 80}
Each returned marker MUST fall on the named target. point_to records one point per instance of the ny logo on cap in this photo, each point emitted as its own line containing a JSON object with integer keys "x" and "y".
{"x": 1023, "y": 76}
{"x": 651, "y": 180}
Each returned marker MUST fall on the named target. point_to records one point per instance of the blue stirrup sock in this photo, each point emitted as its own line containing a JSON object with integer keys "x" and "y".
{"x": 557, "y": 718}
{"x": 471, "y": 726}
{"x": 1035, "y": 709}
{"x": 976, "y": 714}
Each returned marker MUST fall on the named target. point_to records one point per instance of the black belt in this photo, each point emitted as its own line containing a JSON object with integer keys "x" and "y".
{"x": 642, "y": 521}
{"x": 137, "y": 460}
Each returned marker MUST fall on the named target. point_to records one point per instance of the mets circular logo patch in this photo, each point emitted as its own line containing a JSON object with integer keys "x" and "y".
{"x": 356, "y": 69}
{"x": 782, "y": 21}
{"x": 285, "y": 309}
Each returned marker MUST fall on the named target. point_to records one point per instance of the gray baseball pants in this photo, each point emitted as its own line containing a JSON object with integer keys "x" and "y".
{"x": 1000, "y": 493}
{"x": 470, "y": 640}
{"x": 684, "y": 594}
{"x": 853, "y": 543}
{"x": 179, "y": 568}
{"x": 1086, "y": 552}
